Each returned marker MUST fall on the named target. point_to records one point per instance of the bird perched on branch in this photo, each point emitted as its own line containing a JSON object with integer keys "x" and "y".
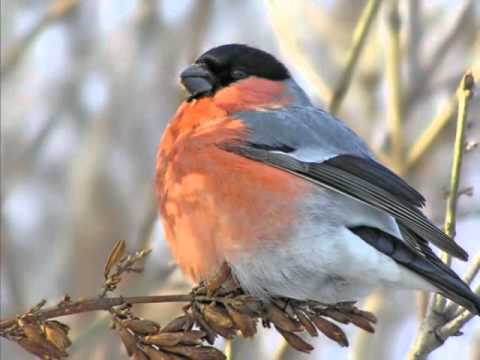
{"x": 249, "y": 172}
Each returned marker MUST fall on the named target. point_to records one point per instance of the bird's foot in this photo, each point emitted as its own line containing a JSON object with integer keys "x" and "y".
{"x": 219, "y": 284}
{"x": 215, "y": 282}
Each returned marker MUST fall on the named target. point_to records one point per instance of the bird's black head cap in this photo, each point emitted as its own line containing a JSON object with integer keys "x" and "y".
{"x": 224, "y": 61}
{"x": 226, "y": 64}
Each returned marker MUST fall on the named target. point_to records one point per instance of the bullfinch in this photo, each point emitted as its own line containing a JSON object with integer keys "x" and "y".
{"x": 250, "y": 173}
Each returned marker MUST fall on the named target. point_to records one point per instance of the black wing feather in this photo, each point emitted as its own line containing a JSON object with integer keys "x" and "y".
{"x": 378, "y": 175}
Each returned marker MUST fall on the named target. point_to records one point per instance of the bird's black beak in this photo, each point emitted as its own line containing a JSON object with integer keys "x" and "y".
{"x": 197, "y": 80}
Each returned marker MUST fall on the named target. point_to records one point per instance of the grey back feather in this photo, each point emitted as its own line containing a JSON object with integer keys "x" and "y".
{"x": 314, "y": 134}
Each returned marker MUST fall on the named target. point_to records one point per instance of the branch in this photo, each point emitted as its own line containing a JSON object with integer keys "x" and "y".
{"x": 433, "y": 131}
{"x": 438, "y": 325}
{"x": 437, "y": 333}
{"x": 280, "y": 351}
{"x": 452, "y": 327}
{"x": 472, "y": 271}
{"x": 229, "y": 349}
{"x": 359, "y": 36}
{"x": 66, "y": 308}
{"x": 415, "y": 33}
{"x": 464, "y": 95}
{"x": 394, "y": 85}
{"x": 426, "y": 75}
{"x": 57, "y": 11}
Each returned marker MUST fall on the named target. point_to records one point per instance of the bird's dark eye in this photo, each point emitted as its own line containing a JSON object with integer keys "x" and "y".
{"x": 238, "y": 74}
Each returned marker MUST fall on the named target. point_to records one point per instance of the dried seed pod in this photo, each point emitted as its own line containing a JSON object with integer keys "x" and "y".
{"x": 181, "y": 323}
{"x": 33, "y": 332}
{"x": 281, "y": 320}
{"x": 218, "y": 319}
{"x": 197, "y": 352}
{"x": 246, "y": 305}
{"x": 214, "y": 314}
{"x": 65, "y": 328}
{"x": 173, "y": 356}
{"x": 202, "y": 323}
{"x": 361, "y": 322}
{"x": 251, "y": 304}
{"x": 307, "y": 323}
{"x": 113, "y": 281}
{"x": 331, "y": 330}
{"x": 245, "y": 323}
{"x": 366, "y": 315}
{"x": 336, "y": 315}
{"x": 139, "y": 355}
{"x": 171, "y": 339}
{"x": 115, "y": 255}
{"x": 129, "y": 341}
{"x": 295, "y": 341}
{"x": 193, "y": 337}
{"x": 238, "y": 305}
{"x": 227, "y": 333}
{"x": 164, "y": 339}
{"x": 154, "y": 354}
{"x": 33, "y": 348}
{"x": 144, "y": 327}
{"x": 36, "y": 342}
{"x": 56, "y": 334}
{"x": 218, "y": 279}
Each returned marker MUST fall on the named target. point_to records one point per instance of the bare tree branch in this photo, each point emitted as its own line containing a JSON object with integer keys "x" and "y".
{"x": 437, "y": 326}
{"x": 438, "y": 56}
{"x": 395, "y": 115}
{"x": 359, "y": 38}
{"x": 464, "y": 95}
{"x": 426, "y": 140}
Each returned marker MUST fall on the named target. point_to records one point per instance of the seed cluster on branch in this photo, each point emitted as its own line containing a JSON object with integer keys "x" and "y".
{"x": 216, "y": 308}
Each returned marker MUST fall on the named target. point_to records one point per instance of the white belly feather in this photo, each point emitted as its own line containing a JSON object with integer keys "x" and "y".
{"x": 323, "y": 260}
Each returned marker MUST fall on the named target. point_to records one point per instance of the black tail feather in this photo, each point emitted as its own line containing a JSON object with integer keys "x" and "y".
{"x": 425, "y": 264}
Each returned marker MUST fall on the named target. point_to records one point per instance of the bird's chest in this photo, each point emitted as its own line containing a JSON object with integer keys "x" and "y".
{"x": 216, "y": 205}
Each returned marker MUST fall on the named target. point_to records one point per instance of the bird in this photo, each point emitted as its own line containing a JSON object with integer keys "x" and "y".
{"x": 250, "y": 173}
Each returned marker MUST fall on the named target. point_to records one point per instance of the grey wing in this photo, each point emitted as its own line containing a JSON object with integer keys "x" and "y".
{"x": 307, "y": 133}
{"x": 311, "y": 144}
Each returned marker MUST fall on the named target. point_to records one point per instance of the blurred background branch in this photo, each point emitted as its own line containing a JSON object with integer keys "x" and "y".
{"x": 394, "y": 86}
{"x": 57, "y": 11}
{"x": 359, "y": 37}
{"x": 429, "y": 70}
{"x": 298, "y": 57}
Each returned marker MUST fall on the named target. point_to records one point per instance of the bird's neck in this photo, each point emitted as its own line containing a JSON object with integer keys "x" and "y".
{"x": 256, "y": 94}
